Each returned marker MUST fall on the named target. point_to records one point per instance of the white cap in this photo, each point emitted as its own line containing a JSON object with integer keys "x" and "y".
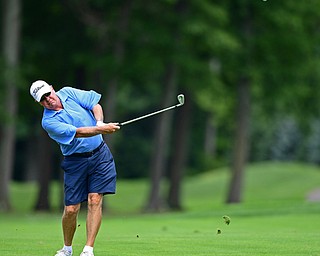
{"x": 39, "y": 88}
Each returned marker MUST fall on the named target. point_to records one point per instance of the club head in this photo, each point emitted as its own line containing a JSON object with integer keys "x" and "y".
{"x": 180, "y": 98}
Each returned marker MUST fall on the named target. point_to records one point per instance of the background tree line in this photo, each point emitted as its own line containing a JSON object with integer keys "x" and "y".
{"x": 249, "y": 70}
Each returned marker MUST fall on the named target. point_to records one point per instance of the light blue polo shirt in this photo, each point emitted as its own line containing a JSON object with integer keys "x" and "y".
{"x": 61, "y": 125}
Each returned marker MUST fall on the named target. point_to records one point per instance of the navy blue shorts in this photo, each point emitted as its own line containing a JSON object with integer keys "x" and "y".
{"x": 88, "y": 174}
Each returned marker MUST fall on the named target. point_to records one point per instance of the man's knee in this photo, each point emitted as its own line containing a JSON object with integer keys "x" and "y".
{"x": 95, "y": 199}
{"x": 71, "y": 210}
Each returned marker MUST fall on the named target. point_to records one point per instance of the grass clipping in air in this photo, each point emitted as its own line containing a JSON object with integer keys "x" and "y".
{"x": 226, "y": 220}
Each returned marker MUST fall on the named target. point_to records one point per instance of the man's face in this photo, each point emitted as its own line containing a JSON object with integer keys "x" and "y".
{"x": 50, "y": 100}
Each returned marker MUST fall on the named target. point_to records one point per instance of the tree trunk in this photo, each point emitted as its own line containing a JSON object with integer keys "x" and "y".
{"x": 45, "y": 163}
{"x": 210, "y": 137}
{"x": 243, "y": 112}
{"x": 241, "y": 141}
{"x": 162, "y": 136}
{"x": 180, "y": 141}
{"x": 11, "y": 35}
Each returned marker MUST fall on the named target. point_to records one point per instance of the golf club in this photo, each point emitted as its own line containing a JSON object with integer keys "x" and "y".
{"x": 180, "y": 98}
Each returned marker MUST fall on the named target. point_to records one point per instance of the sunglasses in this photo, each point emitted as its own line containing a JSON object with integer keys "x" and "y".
{"x": 44, "y": 96}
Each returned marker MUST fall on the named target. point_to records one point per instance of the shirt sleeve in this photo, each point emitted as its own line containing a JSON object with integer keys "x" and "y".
{"x": 86, "y": 99}
{"x": 60, "y": 132}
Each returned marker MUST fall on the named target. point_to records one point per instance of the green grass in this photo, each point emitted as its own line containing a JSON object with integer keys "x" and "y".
{"x": 274, "y": 219}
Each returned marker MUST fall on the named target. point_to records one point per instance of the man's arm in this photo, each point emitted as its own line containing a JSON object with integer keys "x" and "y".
{"x": 95, "y": 130}
{"x": 98, "y": 113}
{"x": 101, "y": 128}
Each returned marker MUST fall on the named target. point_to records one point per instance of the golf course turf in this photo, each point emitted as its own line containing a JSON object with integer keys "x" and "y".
{"x": 275, "y": 218}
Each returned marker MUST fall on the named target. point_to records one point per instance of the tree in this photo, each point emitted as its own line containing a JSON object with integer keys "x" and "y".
{"x": 243, "y": 82}
{"x": 179, "y": 155}
{"x": 45, "y": 165}
{"x": 160, "y": 151}
{"x": 11, "y": 39}
{"x": 241, "y": 142}
{"x": 164, "y": 124}
{"x": 272, "y": 68}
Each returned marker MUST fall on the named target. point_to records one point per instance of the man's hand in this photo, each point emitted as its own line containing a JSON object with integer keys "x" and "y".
{"x": 108, "y": 128}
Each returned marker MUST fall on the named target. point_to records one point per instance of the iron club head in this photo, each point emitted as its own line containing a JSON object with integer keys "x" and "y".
{"x": 180, "y": 98}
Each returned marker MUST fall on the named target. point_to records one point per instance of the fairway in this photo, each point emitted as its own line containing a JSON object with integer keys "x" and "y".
{"x": 172, "y": 234}
{"x": 264, "y": 224}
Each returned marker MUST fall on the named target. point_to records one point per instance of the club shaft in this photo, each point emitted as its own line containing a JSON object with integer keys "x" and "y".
{"x": 151, "y": 114}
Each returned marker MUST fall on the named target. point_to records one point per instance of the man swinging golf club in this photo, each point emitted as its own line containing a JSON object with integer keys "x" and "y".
{"x": 74, "y": 119}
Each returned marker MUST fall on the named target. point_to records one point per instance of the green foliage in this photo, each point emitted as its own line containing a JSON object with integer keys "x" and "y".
{"x": 286, "y": 51}
{"x": 208, "y": 43}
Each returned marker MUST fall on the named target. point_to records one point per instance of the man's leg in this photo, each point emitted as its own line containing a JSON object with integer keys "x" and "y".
{"x": 94, "y": 217}
{"x": 69, "y": 222}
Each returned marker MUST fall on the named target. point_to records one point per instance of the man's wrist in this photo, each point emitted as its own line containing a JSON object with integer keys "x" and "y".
{"x": 100, "y": 123}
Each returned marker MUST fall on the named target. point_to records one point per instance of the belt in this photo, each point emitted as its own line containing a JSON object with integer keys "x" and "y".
{"x": 87, "y": 154}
